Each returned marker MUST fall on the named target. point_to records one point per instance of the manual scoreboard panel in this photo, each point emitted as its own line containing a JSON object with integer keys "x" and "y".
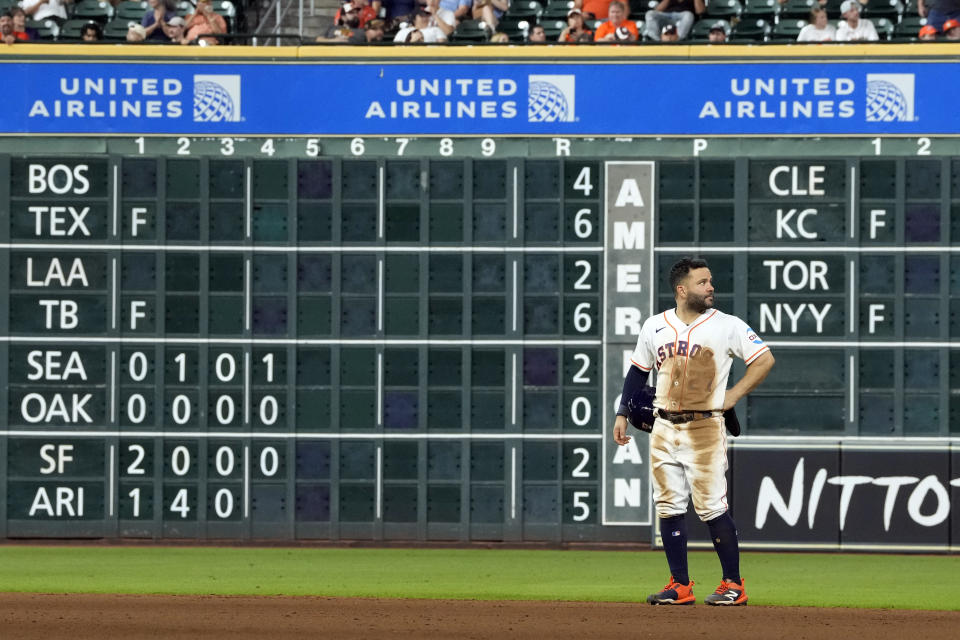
{"x": 426, "y": 338}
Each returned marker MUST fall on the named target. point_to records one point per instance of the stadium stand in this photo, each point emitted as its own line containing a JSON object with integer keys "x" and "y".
{"x": 46, "y": 30}
{"x": 797, "y": 9}
{"x": 131, "y": 10}
{"x": 470, "y": 31}
{"x": 751, "y": 30}
{"x": 786, "y": 30}
{"x": 766, "y": 9}
{"x": 116, "y": 30}
{"x": 96, "y": 10}
{"x": 722, "y": 9}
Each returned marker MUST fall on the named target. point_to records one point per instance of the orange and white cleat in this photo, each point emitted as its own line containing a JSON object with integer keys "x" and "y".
{"x": 673, "y": 593}
{"x": 729, "y": 593}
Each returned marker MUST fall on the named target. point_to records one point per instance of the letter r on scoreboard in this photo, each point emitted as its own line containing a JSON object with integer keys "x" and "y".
{"x": 629, "y": 214}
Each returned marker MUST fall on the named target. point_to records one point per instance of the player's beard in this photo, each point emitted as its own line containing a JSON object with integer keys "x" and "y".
{"x": 699, "y": 303}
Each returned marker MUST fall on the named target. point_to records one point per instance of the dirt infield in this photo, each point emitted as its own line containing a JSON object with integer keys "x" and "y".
{"x": 79, "y": 617}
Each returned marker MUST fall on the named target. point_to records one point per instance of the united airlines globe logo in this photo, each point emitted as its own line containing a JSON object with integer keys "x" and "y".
{"x": 216, "y": 98}
{"x": 890, "y": 97}
{"x": 885, "y": 102}
{"x": 546, "y": 103}
{"x": 551, "y": 98}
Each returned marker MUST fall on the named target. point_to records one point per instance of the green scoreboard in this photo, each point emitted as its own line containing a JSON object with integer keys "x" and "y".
{"x": 425, "y": 338}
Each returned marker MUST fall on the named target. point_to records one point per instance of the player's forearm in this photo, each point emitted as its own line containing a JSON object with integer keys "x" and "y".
{"x": 635, "y": 379}
{"x": 756, "y": 373}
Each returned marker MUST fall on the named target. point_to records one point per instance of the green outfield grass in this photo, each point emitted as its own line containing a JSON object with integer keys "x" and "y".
{"x": 798, "y": 579}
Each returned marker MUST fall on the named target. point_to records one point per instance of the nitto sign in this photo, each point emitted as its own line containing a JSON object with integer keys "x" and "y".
{"x": 844, "y": 496}
{"x": 917, "y": 492}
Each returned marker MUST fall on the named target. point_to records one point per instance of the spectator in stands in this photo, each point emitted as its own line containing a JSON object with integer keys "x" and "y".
{"x": 6, "y": 29}
{"x": 575, "y": 27}
{"x": 938, "y": 12}
{"x": 599, "y": 9}
{"x": 91, "y": 32}
{"x": 853, "y": 28}
{"x": 500, "y": 38}
{"x": 453, "y": 11}
{"x": 20, "y": 28}
{"x": 398, "y": 10}
{"x": 373, "y": 32}
{"x": 136, "y": 32}
{"x": 617, "y": 27}
{"x": 819, "y": 29}
{"x": 156, "y": 18}
{"x": 175, "y": 30}
{"x": 681, "y": 13}
{"x": 365, "y": 12}
{"x": 927, "y": 33}
{"x": 205, "y": 21}
{"x": 537, "y": 35}
{"x": 440, "y": 18}
{"x": 951, "y": 29}
{"x": 718, "y": 32}
{"x": 669, "y": 33}
{"x": 413, "y": 36}
{"x": 40, "y": 10}
{"x": 344, "y": 25}
{"x": 490, "y": 11}
{"x": 424, "y": 24}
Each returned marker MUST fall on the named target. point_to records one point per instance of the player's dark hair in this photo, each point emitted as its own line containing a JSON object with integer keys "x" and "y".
{"x": 680, "y": 270}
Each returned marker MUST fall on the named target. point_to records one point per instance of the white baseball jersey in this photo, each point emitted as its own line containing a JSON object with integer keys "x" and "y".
{"x": 693, "y": 363}
{"x": 693, "y": 360}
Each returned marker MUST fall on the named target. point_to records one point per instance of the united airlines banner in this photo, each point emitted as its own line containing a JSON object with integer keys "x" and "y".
{"x": 404, "y": 97}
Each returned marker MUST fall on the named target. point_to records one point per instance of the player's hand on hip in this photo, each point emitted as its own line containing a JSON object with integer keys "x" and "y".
{"x": 730, "y": 399}
{"x": 620, "y": 431}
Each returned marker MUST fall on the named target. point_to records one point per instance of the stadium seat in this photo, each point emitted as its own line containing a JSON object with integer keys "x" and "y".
{"x": 884, "y": 27}
{"x": 909, "y": 26}
{"x": 131, "y": 10}
{"x": 70, "y": 30}
{"x": 228, "y": 10}
{"x": 553, "y": 28}
{"x": 98, "y": 10}
{"x": 723, "y": 9}
{"x": 889, "y": 9}
{"x": 787, "y": 30}
{"x": 555, "y": 12}
{"x": 529, "y": 9}
{"x": 470, "y": 31}
{"x": 701, "y": 29}
{"x": 116, "y": 29}
{"x": 833, "y": 9}
{"x": 751, "y": 30}
{"x": 6, "y": 5}
{"x": 185, "y": 8}
{"x": 797, "y": 9}
{"x": 516, "y": 28}
{"x": 640, "y": 7}
{"x": 766, "y": 9}
{"x": 46, "y": 30}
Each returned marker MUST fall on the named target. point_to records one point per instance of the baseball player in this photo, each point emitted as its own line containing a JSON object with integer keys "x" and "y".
{"x": 692, "y": 348}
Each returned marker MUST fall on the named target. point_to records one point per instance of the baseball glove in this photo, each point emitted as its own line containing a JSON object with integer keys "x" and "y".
{"x": 640, "y": 408}
{"x": 731, "y": 421}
